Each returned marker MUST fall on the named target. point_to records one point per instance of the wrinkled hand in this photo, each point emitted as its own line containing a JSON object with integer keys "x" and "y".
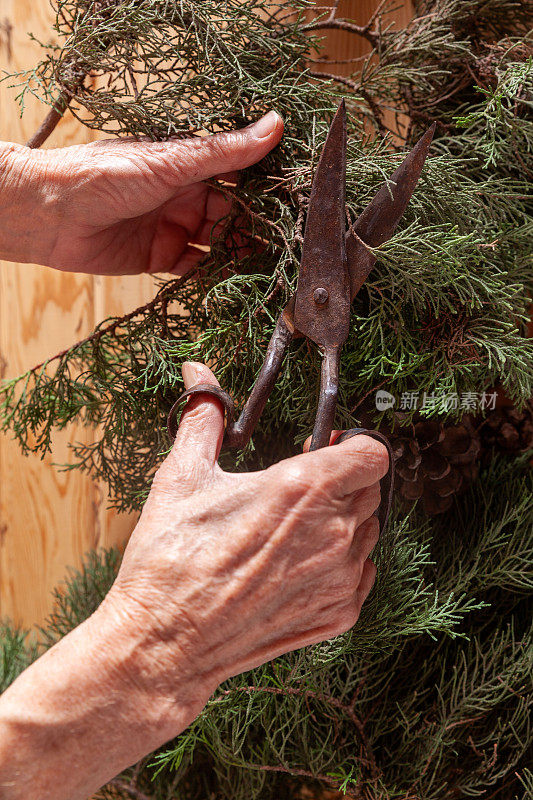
{"x": 122, "y": 206}
{"x": 222, "y": 573}
{"x": 231, "y": 570}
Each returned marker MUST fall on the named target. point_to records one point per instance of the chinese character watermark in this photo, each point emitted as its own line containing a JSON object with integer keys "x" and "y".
{"x": 423, "y": 401}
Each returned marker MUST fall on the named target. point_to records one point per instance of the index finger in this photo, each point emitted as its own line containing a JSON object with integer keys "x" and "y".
{"x": 334, "y": 435}
{"x": 350, "y": 466}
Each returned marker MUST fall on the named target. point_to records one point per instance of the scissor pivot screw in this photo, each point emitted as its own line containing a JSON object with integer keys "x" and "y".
{"x": 320, "y": 296}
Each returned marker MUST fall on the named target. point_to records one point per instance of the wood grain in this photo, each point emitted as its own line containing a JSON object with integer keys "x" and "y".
{"x": 48, "y": 519}
{"x": 342, "y": 46}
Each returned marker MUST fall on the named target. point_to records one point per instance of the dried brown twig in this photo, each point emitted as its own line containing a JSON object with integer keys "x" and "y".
{"x": 370, "y": 31}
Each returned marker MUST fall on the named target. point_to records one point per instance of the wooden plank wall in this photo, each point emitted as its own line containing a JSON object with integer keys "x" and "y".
{"x": 49, "y": 519}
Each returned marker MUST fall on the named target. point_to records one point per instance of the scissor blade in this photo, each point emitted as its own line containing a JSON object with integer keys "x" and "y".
{"x": 379, "y": 220}
{"x": 322, "y": 301}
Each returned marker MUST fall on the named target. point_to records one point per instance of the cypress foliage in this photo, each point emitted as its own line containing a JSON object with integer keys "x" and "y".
{"x": 444, "y": 311}
{"x": 428, "y": 696}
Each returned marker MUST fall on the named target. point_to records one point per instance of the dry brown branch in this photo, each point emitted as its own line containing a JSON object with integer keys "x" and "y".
{"x": 50, "y": 122}
{"x": 332, "y": 22}
{"x": 161, "y": 298}
{"x": 337, "y": 78}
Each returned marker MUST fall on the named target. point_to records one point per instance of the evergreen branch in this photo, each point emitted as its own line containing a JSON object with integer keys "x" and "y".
{"x": 332, "y": 22}
{"x": 302, "y": 773}
{"x": 343, "y": 25}
{"x": 346, "y": 709}
{"x": 109, "y": 327}
{"x": 15, "y": 654}
{"x": 351, "y": 84}
{"x": 445, "y": 310}
{"x": 463, "y": 292}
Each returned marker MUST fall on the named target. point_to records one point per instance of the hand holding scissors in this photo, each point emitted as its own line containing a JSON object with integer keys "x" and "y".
{"x": 335, "y": 263}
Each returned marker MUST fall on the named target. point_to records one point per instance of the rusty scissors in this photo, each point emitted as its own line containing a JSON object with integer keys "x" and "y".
{"x": 335, "y": 263}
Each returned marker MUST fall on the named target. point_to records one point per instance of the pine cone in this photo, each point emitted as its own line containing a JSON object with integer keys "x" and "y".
{"x": 435, "y": 461}
{"x": 508, "y": 430}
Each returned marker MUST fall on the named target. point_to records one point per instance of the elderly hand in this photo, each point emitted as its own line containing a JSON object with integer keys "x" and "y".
{"x": 222, "y": 573}
{"x": 122, "y": 206}
{"x": 236, "y": 568}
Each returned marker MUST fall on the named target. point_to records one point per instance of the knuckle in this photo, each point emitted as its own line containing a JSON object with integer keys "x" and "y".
{"x": 372, "y": 526}
{"x": 372, "y": 570}
{"x": 367, "y": 502}
{"x": 344, "y": 535}
{"x": 296, "y": 480}
{"x": 173, "y": 168}
{"x": 350, "y": 583}
{"x": 87, "y": 173}
{"x": 169, "y": 162}
{"x": 355, "y": 578}
{"x": 221, "y": 145}
{"x": 382, "y": 459}
{"x": 8, "y": 155}
{"x": 378, "y": 457}
{"x": 329, "y": 535}
{"x": 327, "y": 478}
{"x": 371, "y": 531}
{"x": 14, "y": 164}
{"x": 89, "y": 179}
{"x": 340, "y": 592}
{"x": 210, "y": 148}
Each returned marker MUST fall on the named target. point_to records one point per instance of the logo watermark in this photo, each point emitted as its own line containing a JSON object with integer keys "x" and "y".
{"x": 384, "y": 400}
{"x": 440, "y": 401}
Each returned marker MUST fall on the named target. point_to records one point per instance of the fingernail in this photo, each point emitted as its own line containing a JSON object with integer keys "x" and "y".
{"x": 191, "y": 373}
{"x": 266, "y": 125}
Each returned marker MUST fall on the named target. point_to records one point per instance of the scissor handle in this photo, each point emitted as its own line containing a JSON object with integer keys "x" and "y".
{"x": 238, "y": 432}
{"x": 327, "y": 398}
{"x": 200, "y": 388}
{"x": 387, "y": 482}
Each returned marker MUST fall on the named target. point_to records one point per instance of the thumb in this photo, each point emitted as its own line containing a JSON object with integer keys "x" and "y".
{"x": 202, "y": 423}
{"x": 189, "y": 161}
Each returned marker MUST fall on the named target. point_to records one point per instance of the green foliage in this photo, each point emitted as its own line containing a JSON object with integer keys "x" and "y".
{"x": 526, "y": 780}
{"x": 444, "y": 310}
{"x": 15, "y": 653}
{"x": 81, "y": 593}
{"x": 173, "y": 67}
{"x": 428, "y": 696}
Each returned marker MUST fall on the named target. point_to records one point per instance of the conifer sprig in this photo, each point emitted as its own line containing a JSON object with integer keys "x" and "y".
{"x": 445, "y": 310}
{"x": 428, "y": 696}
